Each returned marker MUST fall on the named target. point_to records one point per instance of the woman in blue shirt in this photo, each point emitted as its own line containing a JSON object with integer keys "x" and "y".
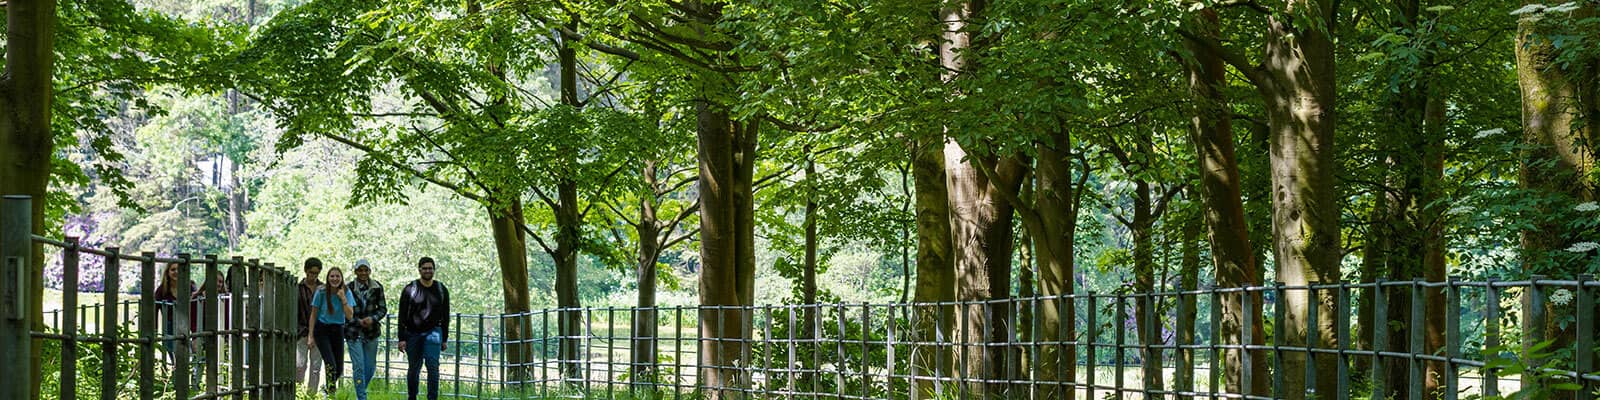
{"x": 332, "y": 302}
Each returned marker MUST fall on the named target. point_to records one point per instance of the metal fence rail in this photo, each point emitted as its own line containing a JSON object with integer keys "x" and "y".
{"x": 240, "y": 323}
{"x": 241, "y": 328}
{"x": 1497, "y": 338}
{"x": 865, "y": 351}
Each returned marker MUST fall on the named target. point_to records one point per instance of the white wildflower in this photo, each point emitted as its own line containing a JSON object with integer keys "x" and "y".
{"x": 1540, "y": 8}
{"x": 1583, "y": 247}
{"x": 1564, "y": 7}
{"x": 1587, "y": 207}
{"x": 1488, "y": 132}
{"x": 1531, "y": 8}
{"x": 1458, "y": 210}
{"x": 1561, "y": 297}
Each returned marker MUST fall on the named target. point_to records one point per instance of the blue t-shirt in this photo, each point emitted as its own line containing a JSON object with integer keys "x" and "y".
{"x": 330, "y": 314}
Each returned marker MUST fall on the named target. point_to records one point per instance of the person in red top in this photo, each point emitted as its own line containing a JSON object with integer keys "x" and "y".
{"x": 166, "y": 310}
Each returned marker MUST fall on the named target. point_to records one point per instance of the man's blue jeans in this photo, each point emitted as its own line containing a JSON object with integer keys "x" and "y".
{"x": 363, "y": 360}
{"x": 423, "y": 350}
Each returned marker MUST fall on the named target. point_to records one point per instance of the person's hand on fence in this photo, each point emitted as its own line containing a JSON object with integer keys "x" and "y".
{"x": 402, "y": 346}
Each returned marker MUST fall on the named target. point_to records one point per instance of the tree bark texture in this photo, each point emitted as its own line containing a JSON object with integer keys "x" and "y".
{"x": 727, "y": 247}
{"x": 569, "y": 225}
{"x": 1299, "y": 91}
{"x": 1559, "y": 112}
{"x": 648, "y": 229}
{"x": 935, "y": 280}
{"x": 1057, "y": 201}
{"x": 1232, "y": 255}
{"x": 26, "y": 142}
{"x": 511, "y": 250}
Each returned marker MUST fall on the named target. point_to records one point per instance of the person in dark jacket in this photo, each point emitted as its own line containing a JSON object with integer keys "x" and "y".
{"x": 424, "y": 327}
{"x": 306, "y": 357}
{"x": 361, "y": 336}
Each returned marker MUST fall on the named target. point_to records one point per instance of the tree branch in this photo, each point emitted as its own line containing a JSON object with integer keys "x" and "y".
{"x": 674, "y": 242}
{"x": 1254, "y": 73}
{"x": 544, "y": 198}
{"x": 536, "y": 238}
{"x": 686, "y": 41}
{"x": 384, "y": 157}
{"x": 1250, "y": 4}
{"x": 619, "y": 213}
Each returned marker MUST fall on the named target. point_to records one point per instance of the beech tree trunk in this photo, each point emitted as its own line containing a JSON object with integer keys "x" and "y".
{"x": 935, "y": 280}
{"x": 983, "y": 239}
{"x": 1188, "y": 280}
{"x": 1232, "y": 254}
{"x": 727, "y": 247}
{"x": 26, "y": 146}
{"x": 644, "y": 317}
{"x": 1559, "y": 113}
{"x": 1144, "y": 281}
{"x": 1057, "y": 201}
{"x": 511, "y": 249}
{"x": 1299, "y": 91}
{"x": 808, "y": 278}
{"x": 568, "y": 236}
{"x": 569, "y": 225}
{"x": 1374, "y": 256}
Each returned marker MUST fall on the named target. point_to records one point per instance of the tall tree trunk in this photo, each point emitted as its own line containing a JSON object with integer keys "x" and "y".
{"x": 1188, "y": 280}
{"x": 1056, "y": 199}
{"x": 1026, "y": 292}
{"x": 808, "y": 279}
{"x": 1374, "y": 258}
{"x": 644, "y": 317}
{"x": 935, "y": 268}
{"x": 511, "y": 248}
{"x": 1144, "y": 281}
{"x": 1232, "y": 254}
{"x": 237, "y": 204}
{"x": 1417, "y": 250}
{"x": 568, "y": 236}
{"x": 727, "y": 243}
{"x": 26, "y": 146}
{"x": 1299, "y": 94}
{"x": 568, "y": 228}
{"x": 1559, "y": 113}
{"x": 982, "y": 235}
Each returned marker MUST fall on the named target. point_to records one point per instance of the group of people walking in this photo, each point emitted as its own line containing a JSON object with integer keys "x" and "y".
{"x": 339, "y": 316}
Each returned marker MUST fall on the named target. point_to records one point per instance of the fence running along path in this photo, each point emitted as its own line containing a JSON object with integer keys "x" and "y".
{"x": 255, "y": 338}
{"x": 867, "y": 351}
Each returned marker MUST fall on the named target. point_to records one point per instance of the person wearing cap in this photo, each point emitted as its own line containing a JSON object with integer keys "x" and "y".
{"x": 424, "y": 327}
{"x": 361, "y": 336}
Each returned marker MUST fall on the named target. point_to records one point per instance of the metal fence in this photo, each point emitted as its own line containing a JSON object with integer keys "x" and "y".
{"x": 240, "y": 323}
{"x": 1497, "y": 338}
{"x": 867, "y": 351}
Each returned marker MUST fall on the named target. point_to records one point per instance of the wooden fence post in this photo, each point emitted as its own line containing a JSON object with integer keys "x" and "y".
{"x": 208, "y": 317}
{"x": 109, "y": 325}
{"x": 236, "y": 348}
{"x": 147, "y": 324}
{"x": 1584, "y": 351}
{"x": 69, "y": 320}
